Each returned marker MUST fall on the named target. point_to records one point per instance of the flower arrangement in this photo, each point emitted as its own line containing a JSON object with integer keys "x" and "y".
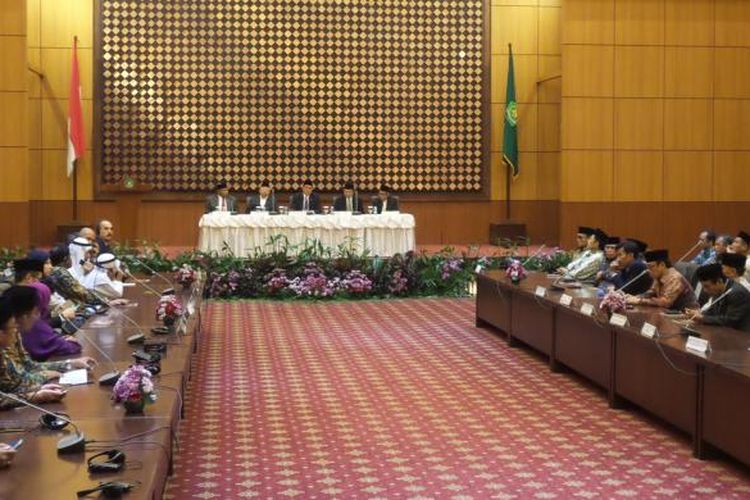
{"x": 515, "y": 271}
{"x": 399, "y": 283}
{"x": 185, "y": 275}
{"x": 451, "y": 266}
{"x": 313, "y": 283}
{"x": 168, "y": 309}
{"x": 355, "y": 283}
{"x": 134, "y": 389}
{"x": 613, "y": 302}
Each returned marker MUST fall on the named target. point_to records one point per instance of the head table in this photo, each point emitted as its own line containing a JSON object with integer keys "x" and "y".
{"x": 380, "y": 234}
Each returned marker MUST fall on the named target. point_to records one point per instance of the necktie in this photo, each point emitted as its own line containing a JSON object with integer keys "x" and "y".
{"x": 349, "y": 205}
{"x": 385, "y": 206}
{"x": 306, "y": 204}
{"x": 221, "y": 204}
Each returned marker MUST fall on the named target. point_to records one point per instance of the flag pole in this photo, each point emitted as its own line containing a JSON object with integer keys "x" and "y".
{"x": 507, "y": 167}
{"x": 75, "y": 190}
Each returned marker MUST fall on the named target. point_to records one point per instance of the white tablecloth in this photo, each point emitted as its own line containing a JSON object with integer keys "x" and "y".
{"x": 381, "y": 234}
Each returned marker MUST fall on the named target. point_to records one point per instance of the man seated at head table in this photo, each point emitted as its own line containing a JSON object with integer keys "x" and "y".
{"x": 727, "y": 302}
{"x": 385, "y": 202}
{"x": 632, "y": 276}
{"x": 670, "y": 289}
{"x": 740, "y": 246}
{"x": 585, "y": 267}
{"x": 707, "y": 253}
{"x": 733, "y": 267}
{"x": 305, "y": 200}
{"x": 221, "y": 200}
{"x": 264, "y": 200}
{"x": 21, "y": 376}
{"x": 349, "y": 201}
{"x": 62, "y": 282}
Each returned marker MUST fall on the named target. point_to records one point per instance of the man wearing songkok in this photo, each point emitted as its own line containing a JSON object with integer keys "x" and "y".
{"x": 728, "y": 302}
{"x": 349, "y": 202}
{"x": 670, "y": 289}
{"x": 221, "y": 200}
{"x": 306, "y": 200}
{"x": 707, "y": 252}
{"x": 39, "y": 339}
{"x": 582, "y": 239}
{"x": 384, "y": 202}
{"x": 16, "y": 378}
{"x": 610, "y": 262}
{"x": 59, "y": 309}
{"x": 733, "y": 267}
{"x": 633, "y": 277}
{"x": 740, "y": 246}
{"x": 264, "y": 201}
{"x": 585, "y": 267}
{"x": 104, "y": 280}
{"x": 62, "y": 282}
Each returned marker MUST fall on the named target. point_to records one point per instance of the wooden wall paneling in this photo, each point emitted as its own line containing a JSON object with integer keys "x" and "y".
{"x": 732, "y": 18}
{"x": 731, "y": 124}
{"x": 35, "y": 174}
{"x": 548, "y": 127}
{"x": 688, "y": 124}
{"x": 33, "y": 16}
{"x": 542, "y": 219}
{"x": 731, "y": 217}
{"x": 13, "y": 131}
{"x": 33, "y": 80}
{"x": 14, "y": 174}
{"x": 15, "y": 224}
{"x": 172, "y": 222}
{"x": 639, "y": 22}
{"x": 731, "y": 176}
{"x": 46, "y": 215}
{"x": 525, "y": 69}
{"x": 587, "y": 123}
{"x": 688, "y": 176}
{"x": 586, "y": 176}
{"x": 549, "y": 30}
{"x": 642, "y": 220}
{"x": 688, "y": 23}
{"x": 588, "y": 70}
{"x": 13, "y": 57}
{"x": 683, "y": 222}
{"x": 13, "y": 20}
{"x": 55, "y": 122}
{"x": 638, "y": 176}
{"x": 516, "y": 25}
{"x": 548, "y": 176}
{"x": 588, "y": 21}
{"x": 732, "y": 67}
{"x": 34, "y": 116}
{"x": 639, "y": 124}
{"x": 56, "y": 64}
{"x": 688, "y": 72}
{"x": 524, "y": 187}
{"x": 60, "y": 20}
{"x": 497, "y": 167}
{"x": 575, "y": 214}
{"x": 639, "y": 71}
{"x": 54, "y": 181}
{"x": 425, "y": 215}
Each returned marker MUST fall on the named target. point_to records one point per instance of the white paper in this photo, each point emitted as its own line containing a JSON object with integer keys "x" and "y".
{"x": 587, "y": 309}
{"x": 618, "y": 320}
{"x": 129, "y": 284}
{"x": 566, "y": 299}
{"x": 697, "y": 345}
{"x": 648, "y": 330}
{"x": 540, "y": 291}
{"x": 75, "y": 377}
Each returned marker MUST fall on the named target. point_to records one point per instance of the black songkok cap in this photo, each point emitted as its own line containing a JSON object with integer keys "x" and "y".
{"x": 28, "y": 265}
{"x": 656, "y": 256}
{"x": 588, "y": 231}
{"x": 735, "y": 260}
{"x": 744, "y": 236}
{"x": 710, "y": 272}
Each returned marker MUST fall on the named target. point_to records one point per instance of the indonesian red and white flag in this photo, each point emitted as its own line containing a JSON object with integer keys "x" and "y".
{"x": 76, "y": 140}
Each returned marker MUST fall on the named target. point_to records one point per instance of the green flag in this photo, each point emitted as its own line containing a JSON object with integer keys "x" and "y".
{"x": 510, "y": 134}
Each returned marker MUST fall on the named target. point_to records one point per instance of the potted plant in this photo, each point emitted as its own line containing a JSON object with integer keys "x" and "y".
{"x": 134, "y": 390}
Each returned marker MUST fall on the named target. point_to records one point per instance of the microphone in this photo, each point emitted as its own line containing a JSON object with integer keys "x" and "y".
{"x": 534, "y": 254}
{"x": 698, "y": 243}
{"x": 139, "y": 337}
{"x": 140, "y": 282}
{"x": 109, "y": 378}
{"x": 169, "y": 290}
{"x": 68, "y": 444}
{"x": 633, "y": 280}
{"x": 709, "y": 305}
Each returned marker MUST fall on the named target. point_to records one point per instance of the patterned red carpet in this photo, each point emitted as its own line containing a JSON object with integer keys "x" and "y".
{"x": 407, "y": 399}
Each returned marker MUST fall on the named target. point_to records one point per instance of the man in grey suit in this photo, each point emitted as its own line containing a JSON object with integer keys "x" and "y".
{"x": 263, "y": 201}
{"x": 221, "y": 200}
{"x": 385, "y": 202}
{"x": 728, "y": 302}
{"x": 349, "y": 201}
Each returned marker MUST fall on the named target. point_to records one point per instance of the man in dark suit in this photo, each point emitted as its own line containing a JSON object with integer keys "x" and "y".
{"x": 221, "y": 200}
{"x": 385, "y": 202}
{"x": 264, "y": 200}
{"x": 349, "y": 202}
{"x": 728, "y": 303}
{"x": 305, "y": 200}
{"x": 633, "y": 277}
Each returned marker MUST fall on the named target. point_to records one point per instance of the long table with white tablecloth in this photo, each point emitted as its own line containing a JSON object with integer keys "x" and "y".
{"x": 380, "y": 234}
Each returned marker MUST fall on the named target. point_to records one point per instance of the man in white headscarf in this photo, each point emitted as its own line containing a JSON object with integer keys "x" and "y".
{"x": 103, "y": 279}
{"x": 79, "y": 250}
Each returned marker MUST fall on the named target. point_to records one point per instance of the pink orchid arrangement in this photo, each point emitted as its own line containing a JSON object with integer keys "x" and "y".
{"x": 185, "y": 275}
{"x": 134, "y": 385}
{"x": 614, "y": 302}
{"x": 515, "y": 271}
{"x": 168, "y": 309}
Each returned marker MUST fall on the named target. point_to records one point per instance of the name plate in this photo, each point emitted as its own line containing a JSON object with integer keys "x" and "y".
{"x": 587, "y": 309}
{"x": 566, "y": 299}
{"x": 618, "y": 320}
{"x": 648, "y": 330}
{"x": 696, "y": 344}
{"x": 540, "y": 291}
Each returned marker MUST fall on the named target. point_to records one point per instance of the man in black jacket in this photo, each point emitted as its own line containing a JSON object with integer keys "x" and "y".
{"x": 349, "y": 202}
{"x": 305, "y": 200}
{"x": 728, "y": 303}
{"x": 385, "y": 202}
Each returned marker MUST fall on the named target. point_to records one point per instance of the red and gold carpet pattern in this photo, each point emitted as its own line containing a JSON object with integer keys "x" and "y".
{"x": 407, "y": 399}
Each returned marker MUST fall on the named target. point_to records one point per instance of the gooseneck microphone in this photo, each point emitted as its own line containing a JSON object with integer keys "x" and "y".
{"x": 69, "y": 444}
{"x": 534, "y": 254}
{"x": 633, "y": 280}
{"x": 139, "y": 337}
{"x": 166, "y": 280}
{"x": 141, "y": 283}
{"x": 111, "y": 377}
{"x": 692, "y": 249}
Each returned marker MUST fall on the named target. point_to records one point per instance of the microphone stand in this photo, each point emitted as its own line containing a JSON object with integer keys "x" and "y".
{"x": 153, "y": 271}
{"x": 133, "y": 339}
{"x": 692, "y": 249}
{"x": 534, "y": 254}
{"x": 109, "y": 378}
{"x": 140, "y": 282}
{"x": 632, "y": 280}
{"x": 68, "y": 444}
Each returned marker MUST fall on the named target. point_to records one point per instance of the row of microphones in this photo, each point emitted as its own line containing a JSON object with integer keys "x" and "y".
{"x": 139, "y": 337}
{"x": 69, "y": 444}
{"x": 109, "y": 378}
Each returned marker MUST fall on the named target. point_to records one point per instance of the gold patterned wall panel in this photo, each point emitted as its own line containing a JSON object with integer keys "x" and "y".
{"x": 395, "y": 91}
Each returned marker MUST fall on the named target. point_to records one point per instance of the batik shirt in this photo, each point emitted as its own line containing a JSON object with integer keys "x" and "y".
{"x": 61, "y": 281}
{"x": 672, "y": 291}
